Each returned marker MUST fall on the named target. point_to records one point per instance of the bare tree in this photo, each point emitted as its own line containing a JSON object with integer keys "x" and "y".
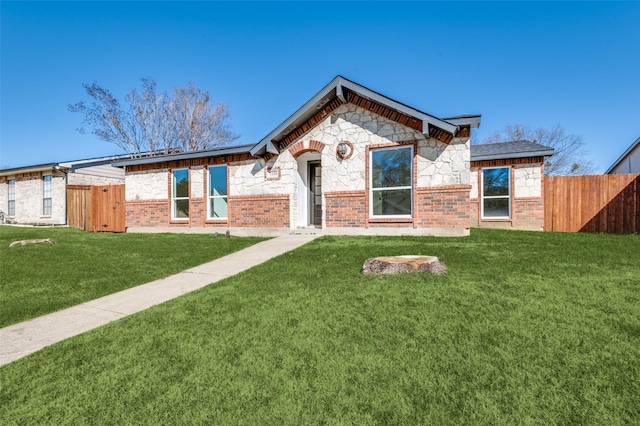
{"x": 570, "y": 156}
{"x": 154, "y": 123}
{"x": 199, "y": 124}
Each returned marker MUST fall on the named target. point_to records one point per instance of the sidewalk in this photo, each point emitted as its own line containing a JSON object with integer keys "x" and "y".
{"x": 19, "y": 340}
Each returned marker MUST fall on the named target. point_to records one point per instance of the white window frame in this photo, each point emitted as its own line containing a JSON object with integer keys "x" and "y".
{"x": 483, "y": 197}
{"x": 211, "y": 197}
{"x": 11, "y": 197}
{"x": 47, "y": 184}
{"x": 372, "y": 190}
{"x": 174, "y": 198}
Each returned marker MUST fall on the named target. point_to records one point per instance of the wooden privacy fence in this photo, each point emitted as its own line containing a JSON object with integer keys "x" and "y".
{"x": 96, "y": 208}
{"x": 602, "y": 203}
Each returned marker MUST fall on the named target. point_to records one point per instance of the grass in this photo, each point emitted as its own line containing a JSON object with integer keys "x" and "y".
{"x": 525, "y": 328}
{"x": 41, "y": 278}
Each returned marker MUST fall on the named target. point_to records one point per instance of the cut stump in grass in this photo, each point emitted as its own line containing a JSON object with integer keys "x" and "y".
{"x": 403, "y": 264}
{"x": 25, "y": 242}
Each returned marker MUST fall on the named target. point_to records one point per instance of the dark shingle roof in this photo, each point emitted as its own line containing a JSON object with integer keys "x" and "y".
{"x": 504, "y": 150}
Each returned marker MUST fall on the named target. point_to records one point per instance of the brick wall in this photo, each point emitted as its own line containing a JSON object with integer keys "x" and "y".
{"x": 442, "y": 207}
{"x": 148, "y": 213}
{"x": 253, "y": 211}
{"x": 345, "y": 209}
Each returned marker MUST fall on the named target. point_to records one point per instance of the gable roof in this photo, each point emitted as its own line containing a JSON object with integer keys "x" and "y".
{"x": 340, "y": 91}
{"x": 505, "y": 150}
{"x": 622, "y": 157}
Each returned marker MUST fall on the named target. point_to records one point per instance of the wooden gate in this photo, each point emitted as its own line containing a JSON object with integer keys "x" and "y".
{"x": 602, "y": 203}
{"x": 96, "y": 208}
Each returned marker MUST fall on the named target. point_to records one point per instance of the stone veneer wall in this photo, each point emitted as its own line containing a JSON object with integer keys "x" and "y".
{"x": 527, "y": 202}
{"x": 29, "y": 198}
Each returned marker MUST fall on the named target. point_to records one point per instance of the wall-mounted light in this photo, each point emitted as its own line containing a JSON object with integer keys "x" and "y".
{"x": 344, "y": 150}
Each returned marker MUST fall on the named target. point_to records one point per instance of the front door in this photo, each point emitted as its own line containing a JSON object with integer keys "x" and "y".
{"x": 315, "y": 194}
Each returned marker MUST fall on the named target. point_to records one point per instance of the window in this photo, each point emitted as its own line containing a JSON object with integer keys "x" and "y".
{"x": 391, "y": 182}
{"x": 217, "y": 195}
{"x": 46, "y": 195}
{"x": 180, "y": 194}
{"x": 11, "y": 208}
{"x": 496, "y": 189}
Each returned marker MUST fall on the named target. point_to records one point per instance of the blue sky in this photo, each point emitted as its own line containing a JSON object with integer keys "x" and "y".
{"x": 541, "y": 63}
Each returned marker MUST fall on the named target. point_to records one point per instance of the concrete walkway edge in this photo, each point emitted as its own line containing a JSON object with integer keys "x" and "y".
{"x": 22, "y": 339}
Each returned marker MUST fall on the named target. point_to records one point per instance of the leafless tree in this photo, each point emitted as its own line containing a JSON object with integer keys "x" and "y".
{"x": 154, "y": 123}
{"x": 570, "y": 156}
{"x": 198, "y": 124}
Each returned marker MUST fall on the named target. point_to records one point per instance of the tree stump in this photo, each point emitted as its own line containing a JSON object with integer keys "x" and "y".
{"x": 25, "y": 242}
{"x": 403, "y": 264}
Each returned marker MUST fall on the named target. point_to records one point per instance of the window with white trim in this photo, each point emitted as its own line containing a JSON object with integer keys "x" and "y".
{"x": 180, "y": 194}
{"x": 391, "y": 189}
{"x": 11, "y": 205}
{"x": 46, "y": 195}
{"x": 217, "y": 207}
{"x": 496, "y": 193}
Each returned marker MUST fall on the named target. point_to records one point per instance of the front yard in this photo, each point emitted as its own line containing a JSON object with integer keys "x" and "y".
{"x": 524, "y": 328}
{"x": 42, "y": 278}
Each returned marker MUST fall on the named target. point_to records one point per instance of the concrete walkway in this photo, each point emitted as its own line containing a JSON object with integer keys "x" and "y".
{"x": 19, "y": 340}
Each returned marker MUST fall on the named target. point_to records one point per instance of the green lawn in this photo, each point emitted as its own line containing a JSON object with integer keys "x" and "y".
{"x": 41, "y": 278}
{"x": 525, "y": 328}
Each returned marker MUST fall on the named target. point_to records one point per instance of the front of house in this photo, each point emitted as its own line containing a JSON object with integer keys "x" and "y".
{"x": 348, "y": 161}
{"x": 349, "y": 158}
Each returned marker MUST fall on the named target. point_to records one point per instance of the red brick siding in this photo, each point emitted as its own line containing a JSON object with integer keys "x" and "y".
{"x": 345, "y": 209}
{"x": 148, "y": 213}
{"x": 253, "y": 211}
{"x": 442, "y": 207}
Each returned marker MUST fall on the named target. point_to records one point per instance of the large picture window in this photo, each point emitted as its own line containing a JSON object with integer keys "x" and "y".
{"x": 496, "y": 193}
{"x": 217, "y": 194}
{"x": 392, "y": 182}
{"x": 46, "y": 195}
{"x": 11, "y": 207}
{"x": 180, "y": 194}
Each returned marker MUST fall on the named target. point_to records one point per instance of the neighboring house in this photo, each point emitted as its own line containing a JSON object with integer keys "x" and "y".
{"x": 37, "y": 194}
{"x": 350, "y": 160}
{"x": 507, "y": 185}
{"x": 629, "y": 161}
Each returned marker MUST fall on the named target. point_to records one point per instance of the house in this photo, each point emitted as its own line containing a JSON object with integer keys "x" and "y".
{"x": 349, "y": 161}
{"x": 629, "y": 161}
{"x": 37, "y": 194}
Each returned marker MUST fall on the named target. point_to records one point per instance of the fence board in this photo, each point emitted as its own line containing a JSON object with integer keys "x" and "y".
{"x": 604, "y": 203}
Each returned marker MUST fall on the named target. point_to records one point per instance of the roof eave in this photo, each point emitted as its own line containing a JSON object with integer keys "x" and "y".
{"x": 241, "y": 149}
{"x": 619, "y": 160}
{"x": 465, "y": 120}
{"x": 508, "y": 156}
{"x": 32, "y": 169}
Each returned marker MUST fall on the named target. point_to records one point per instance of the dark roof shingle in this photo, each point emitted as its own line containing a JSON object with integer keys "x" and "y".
{"x": 504, "y": 150}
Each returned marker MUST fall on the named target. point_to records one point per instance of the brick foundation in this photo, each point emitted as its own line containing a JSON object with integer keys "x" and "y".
{"x": 345, "y": 209}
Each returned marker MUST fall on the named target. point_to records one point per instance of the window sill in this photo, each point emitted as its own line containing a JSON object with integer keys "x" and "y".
{"x": 390, "y": 220}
